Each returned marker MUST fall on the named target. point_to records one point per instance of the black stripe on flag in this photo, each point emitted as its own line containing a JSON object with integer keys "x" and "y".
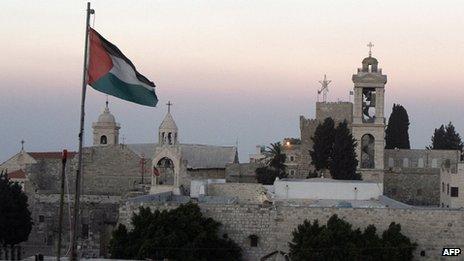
{"x": 114, "y": 50}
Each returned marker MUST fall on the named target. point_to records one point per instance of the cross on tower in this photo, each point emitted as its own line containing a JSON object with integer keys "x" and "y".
{"x": 370, "y": 45}
{"x": 22, "y": 144}
{"x": 169, "y": 104}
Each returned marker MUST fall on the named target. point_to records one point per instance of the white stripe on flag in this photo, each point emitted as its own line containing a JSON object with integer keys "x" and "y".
{"x": 126, "y": 73}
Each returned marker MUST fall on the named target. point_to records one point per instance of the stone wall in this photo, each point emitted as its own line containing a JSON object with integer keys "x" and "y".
{"x": 108, "y": 170}
{"x": 415, "y": 186}
{"x": 432, "y": 229}
{"x": 112, "y": 170}
{"x": 242, "y": 172}
{"x": 338, "y": 111}
{"x": 99, "y": 215}
{"x": 421, "y": 158}
{"x": 307, "y": 129}
{"x": 244, "y": 192}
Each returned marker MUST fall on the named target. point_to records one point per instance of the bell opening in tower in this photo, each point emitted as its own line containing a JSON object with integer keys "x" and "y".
{"x": 368, "y": 105}
{"x": 165, "y": 167}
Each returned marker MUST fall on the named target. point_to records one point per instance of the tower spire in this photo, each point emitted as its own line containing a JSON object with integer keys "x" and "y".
{"x": 106, "y": 102}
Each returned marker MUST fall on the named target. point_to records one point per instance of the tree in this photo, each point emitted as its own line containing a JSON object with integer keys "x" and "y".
{"x": 179, "y": 234}
{"x": 275, "y": 165}
{"x": 446, "y": 138}
{"x": 396, "y": 134}
{"x": 339, "y": 241}
{"x": 15, "y": 218}
{"x": 343, "y": 162}
{"x": 396, "y": 245}
{"x": 276, "y": 156}
{"x": 323, "y": 140}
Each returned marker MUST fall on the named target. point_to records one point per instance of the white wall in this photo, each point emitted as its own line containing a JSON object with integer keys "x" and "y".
{"x": 327, "y": 189}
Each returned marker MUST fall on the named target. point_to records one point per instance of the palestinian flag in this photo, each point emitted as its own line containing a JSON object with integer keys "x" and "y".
{"x": 111, "y": 72}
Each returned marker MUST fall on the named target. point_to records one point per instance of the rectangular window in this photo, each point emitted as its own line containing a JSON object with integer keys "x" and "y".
{"x": 41, "y": 218}
{"x": 454, "y": 192}
{"x": 85, "y": 230}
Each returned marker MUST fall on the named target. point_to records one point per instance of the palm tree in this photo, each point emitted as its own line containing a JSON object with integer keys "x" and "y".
{"x": 276, "y": 157}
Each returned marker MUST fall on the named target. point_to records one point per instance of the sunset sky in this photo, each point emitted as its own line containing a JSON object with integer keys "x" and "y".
{"x": 235, "y": 70}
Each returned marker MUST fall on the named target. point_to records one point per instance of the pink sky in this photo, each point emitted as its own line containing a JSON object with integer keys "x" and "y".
{"x": 235, "y": 70}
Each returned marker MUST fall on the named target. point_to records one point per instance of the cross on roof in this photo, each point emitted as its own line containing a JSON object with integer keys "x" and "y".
{"x": 169, "y": 104}
{"x": 22, "y": 144}
{"x": 370, "y": 45}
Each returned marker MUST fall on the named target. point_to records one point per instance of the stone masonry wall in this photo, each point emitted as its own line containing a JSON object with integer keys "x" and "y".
{"x": 99, "y": 215}
{"x": 245, "y": 192}
{"x": 112, "y": 170}
{"x": 420, "y": 187}
{"x": 397, "y": 158}
{"x": 242, "y": 172}
{"x": 432, "y": 229}
{"x": 338, "y": 111}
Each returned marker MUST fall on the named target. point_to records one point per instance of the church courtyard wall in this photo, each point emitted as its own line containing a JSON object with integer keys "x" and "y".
{"x": 432, "y": 229}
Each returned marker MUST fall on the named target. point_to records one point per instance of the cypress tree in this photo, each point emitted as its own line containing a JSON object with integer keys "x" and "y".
{"x": 446, "y": 138}
{"x": 396, "y": 134}
{"x": 323, "y": 140}
{"x": 343, "y": 162}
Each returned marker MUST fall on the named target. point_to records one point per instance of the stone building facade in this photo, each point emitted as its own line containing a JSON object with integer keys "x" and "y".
{"x": 452, "y": 187}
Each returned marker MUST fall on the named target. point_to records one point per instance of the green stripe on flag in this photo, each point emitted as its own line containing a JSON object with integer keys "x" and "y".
{"x": 112, "y": 85}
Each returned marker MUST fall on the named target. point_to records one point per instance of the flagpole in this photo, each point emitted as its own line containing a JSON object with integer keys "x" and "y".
{"x": 74, "y": 229}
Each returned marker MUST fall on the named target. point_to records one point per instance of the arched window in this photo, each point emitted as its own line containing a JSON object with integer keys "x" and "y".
{"x": 163, "y": 139}
{"x": 103, "y": 139}
{"x": 367, "y": 151}
{"x": 169, "y": 138}
{"x": 434, "y": 163}
{"x": 391, "y": 162}
{"x": 420, "y": 163}
{"x": 443, "y": 187}
{"x": 405, "y": 163}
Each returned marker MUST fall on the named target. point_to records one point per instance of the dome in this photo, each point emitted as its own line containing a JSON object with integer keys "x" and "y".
{"x": 106, "y": 116}
{"x": 370, "y": 60}
{"x": 168, "y": 123}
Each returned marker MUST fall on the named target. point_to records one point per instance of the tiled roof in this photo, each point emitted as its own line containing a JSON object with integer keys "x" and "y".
{"x": 197, "y": 156}
{"x": 51, "y": 155}
{"x": 17, "y": 174}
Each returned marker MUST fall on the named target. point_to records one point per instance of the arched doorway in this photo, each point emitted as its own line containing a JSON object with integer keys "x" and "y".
{"x": 165, "y": 169}
{"x": 367, "y": 151}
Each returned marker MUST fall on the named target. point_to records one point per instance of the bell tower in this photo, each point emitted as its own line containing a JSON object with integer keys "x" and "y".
{"x": 368, "y": 126}
{"x": 106, "y": 129}
{"x": 168, "y": 131}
